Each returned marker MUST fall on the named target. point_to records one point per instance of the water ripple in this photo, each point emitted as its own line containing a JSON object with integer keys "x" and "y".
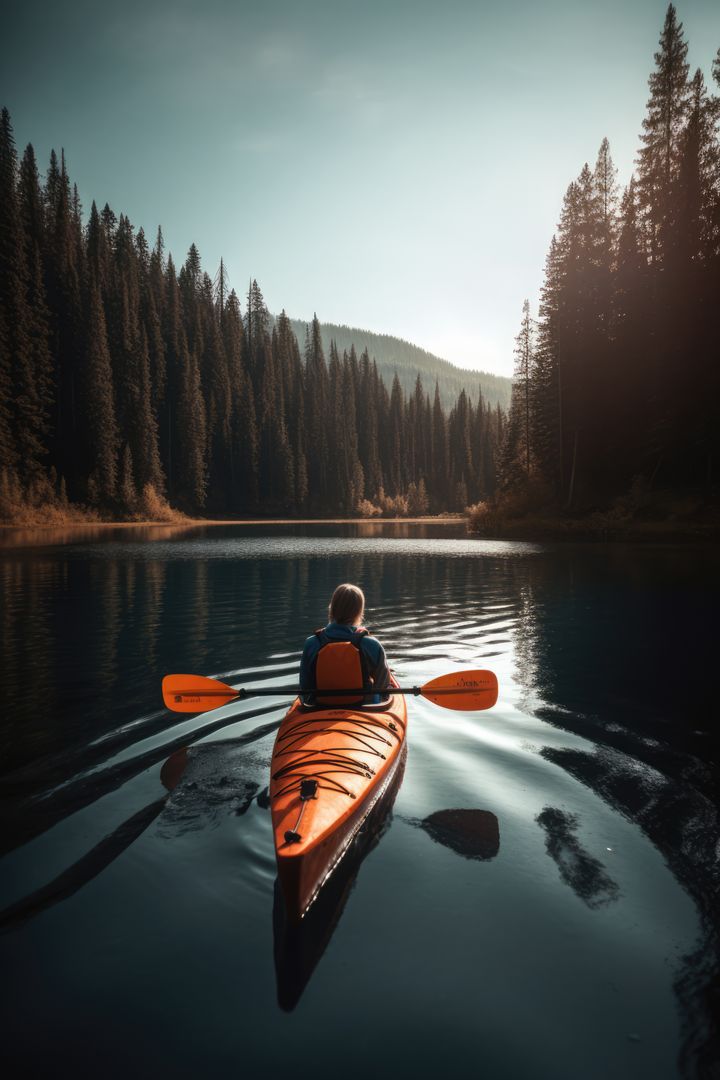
{"x": 563, "y": 844}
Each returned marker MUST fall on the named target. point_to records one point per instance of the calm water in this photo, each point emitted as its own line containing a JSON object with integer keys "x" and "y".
{"x": 540, "y": 899}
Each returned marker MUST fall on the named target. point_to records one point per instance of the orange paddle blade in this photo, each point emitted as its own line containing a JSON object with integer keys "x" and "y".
{"x": 466, "y": 691}
{"x": 195, "y": 693}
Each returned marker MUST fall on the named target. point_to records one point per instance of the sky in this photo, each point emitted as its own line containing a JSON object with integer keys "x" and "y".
{"x": 396, "y": 165}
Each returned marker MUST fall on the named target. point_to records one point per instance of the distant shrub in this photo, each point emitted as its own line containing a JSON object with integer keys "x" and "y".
{"x": 152, "y": 506}
{"x": 417, "y": 498}
{"x": 483, "y": 517}
{"x": 393, "y": 505}
{"x": 367, "y": 509}
{"x": 43, "y": 502}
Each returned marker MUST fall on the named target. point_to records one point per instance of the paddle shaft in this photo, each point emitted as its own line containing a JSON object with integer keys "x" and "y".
{"x": 272, "y": 691}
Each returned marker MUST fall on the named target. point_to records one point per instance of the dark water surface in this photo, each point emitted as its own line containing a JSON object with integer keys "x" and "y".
{"x": 538, "y": 898}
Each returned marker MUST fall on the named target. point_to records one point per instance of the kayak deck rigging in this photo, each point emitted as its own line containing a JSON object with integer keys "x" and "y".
{"x": 336, "y": 757}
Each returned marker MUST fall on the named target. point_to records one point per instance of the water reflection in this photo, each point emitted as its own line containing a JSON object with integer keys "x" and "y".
{"x": 585, "y": 874}
{"x": 474, "y": 834}
{"x": 100, "y": 633}
{"x": 603, "y": 656}
{"x": 53, "y": 536}
{"x": 81, "y": 872}
{"x": 684, "y": 826}
{"x": 616, "y": 646}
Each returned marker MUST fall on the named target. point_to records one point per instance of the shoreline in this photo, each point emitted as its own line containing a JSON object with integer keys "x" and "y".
{"x": 530, "y": 531}
{"x": 202, "y": 522}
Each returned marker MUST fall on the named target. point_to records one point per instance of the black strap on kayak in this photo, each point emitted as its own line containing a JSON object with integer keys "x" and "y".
{"x": 308, "y": 790}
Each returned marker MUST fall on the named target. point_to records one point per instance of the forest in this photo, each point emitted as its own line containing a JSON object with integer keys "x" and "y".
{"x": 394, "y": 355}
{"x": 617, "y": 383}
{"x": 129, "y": 388}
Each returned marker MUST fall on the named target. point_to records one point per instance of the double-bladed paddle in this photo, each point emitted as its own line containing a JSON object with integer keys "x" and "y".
{"x": 464, "y": 691}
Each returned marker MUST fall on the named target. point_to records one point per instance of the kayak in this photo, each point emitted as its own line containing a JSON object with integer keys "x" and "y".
{"x": 329, "y": 768}
{"x": 299, "y": 946}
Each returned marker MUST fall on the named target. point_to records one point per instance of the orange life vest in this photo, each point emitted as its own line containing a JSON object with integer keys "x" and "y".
{"x": 340, "y": 665}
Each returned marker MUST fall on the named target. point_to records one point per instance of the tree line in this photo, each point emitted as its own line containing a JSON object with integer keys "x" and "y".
{"x": 618, "y": 380}
{"x": 125, "y": 382}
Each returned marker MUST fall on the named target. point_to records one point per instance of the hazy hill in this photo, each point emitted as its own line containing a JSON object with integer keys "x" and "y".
{"x": 393, "y": 354}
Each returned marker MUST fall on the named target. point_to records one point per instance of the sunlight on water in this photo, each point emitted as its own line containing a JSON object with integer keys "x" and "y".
{"x": 547, "y": 867}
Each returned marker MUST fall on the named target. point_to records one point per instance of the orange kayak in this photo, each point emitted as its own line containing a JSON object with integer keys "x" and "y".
{"x": 329, "y": 768}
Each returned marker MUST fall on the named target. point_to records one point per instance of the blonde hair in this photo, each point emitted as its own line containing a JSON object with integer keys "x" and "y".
{"x": 347, "y": 604}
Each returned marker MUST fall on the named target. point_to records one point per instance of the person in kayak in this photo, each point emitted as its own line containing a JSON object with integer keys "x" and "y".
{"x": 343, "y": 654}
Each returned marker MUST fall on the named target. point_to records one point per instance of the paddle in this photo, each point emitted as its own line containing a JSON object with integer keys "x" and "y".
{"x": 463, "y": 691}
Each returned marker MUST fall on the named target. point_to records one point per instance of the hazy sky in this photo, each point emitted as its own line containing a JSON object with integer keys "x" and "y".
{"x": 395, "y": 165}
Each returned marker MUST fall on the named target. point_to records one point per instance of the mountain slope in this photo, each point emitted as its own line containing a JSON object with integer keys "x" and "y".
{"x": 395, "y": 355}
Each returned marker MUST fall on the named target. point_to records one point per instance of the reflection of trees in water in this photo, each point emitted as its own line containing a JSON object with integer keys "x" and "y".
{"x": 199, "y": 614}
{"x": 105, "y": 582}
{"x": 29, "y": 686}
{"x": 150, "y": 620}
{"x": 618, "y": 647}
{"x": 615, "y": 642}
{"x": 586, "y": 875}
{"x": 57, "y": 535}
{"x": 683, "y": 824}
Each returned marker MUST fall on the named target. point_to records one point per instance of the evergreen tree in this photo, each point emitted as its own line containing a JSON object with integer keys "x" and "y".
{"x": 14, "y": 316}
{"x": 439, "y": 454}
{"x": 192, "y": 423}
{"x": 316, "y": 412}
{"x": 153, "y": 300}
{"x": 64, "y": 275}
{"x": 100, "y": 432}
{"x": 668, "y": 108}
{"x": 396, "y": 465}
{"x": 35, "y": 377}
{"x": 127, "y": 492}
{"x": 367, "y": 427}
{"x": 243, "y": 448}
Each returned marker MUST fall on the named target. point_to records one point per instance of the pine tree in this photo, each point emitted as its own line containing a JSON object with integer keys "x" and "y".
{"x": 316, "y": 412}
{"x": 69, "y": 329}
{"x": 35, "y": 378}
{"x": 396, "y": 465}
{"x": 257, "y": 321}
{"x": 422, "y": 432}
{"x": 524, "y": 349}
{"x": 354, "y": 477}
{"x": 439, "y": 454}
{"x": 100, "y": 432}
{"x": 607, "y": 198}
{"x": 668, "y": 108}
{"x": 368, "y": 428}
{"x": 219, "y": 405}
{"x": 153, "y": 299}
{"x": 148, "y": 467}
{"x": 127, "y": 492}
{"x": 16, "y": 359}
{"x": 459, "y": 446}
{"x": 244, "y": 451}
{"x": 192, "y": 428}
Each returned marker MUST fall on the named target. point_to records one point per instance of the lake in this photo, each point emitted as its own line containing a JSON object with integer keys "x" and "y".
{"x": 537, "y": 897}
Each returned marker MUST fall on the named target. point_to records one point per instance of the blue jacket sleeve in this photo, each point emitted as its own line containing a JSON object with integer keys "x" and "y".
{"x": 309, "y": 655}
{"x": 377, "y": 663}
